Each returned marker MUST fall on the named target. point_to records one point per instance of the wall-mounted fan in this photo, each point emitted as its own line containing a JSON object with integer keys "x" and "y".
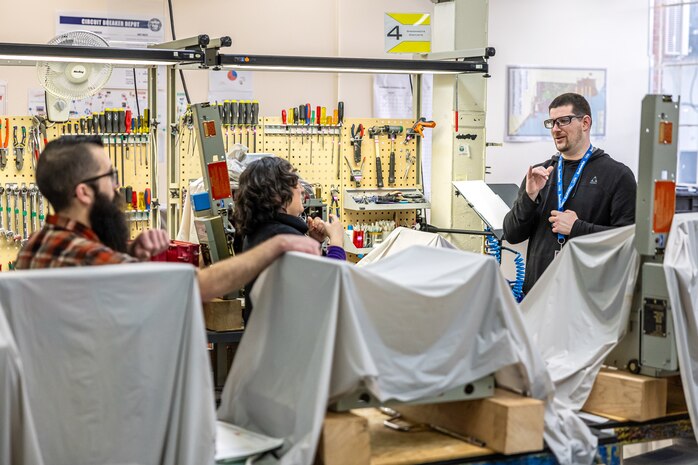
{"x": 68, "y": 81}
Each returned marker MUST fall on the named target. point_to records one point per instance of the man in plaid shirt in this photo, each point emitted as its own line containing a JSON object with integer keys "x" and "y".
{"x": 89, "y": 227}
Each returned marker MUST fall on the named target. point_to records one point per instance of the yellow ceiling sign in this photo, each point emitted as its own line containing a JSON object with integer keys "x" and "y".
{"x": 407, "y": 32}
{"x": 411, "y": 19}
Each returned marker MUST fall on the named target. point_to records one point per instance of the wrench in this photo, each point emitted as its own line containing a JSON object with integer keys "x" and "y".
{"x": 33, "y": 191}
{"x": 9, "y": 234}
{"x": 410, "y": 160}
{"x": 15, "y": 194}
{"x": 25, "y": 228}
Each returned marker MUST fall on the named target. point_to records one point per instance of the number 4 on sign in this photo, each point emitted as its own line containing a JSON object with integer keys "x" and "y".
{"x": 395, "y": 32}
{"x": 407, "y": 32}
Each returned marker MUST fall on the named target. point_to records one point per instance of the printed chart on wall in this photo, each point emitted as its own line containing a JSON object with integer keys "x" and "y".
{"x": 119, "y": 30}
{"x": 531, "y": 89}
{"x": 230, "y": 84}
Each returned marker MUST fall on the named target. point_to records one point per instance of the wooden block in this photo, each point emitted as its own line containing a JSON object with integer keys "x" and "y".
{"x": 675, "y": 398}
{"x": 345, "y": 440}
{"x": 506, "y": 422}
{"x": 623, "y": 395}
{"x": 223, "y": 315}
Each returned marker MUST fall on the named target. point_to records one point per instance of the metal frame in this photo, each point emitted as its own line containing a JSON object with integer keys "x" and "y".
{"x": 28, "y": 54}
{"x": 475, "y": 64}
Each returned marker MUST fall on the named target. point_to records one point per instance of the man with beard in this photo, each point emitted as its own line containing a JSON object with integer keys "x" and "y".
{"x": 580, "y": 190}
{"x": 89, "y": 226}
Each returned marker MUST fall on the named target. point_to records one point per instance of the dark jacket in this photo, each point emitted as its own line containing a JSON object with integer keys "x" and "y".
{"x": 603, "y": 198}
{"x": 282, "y": 224}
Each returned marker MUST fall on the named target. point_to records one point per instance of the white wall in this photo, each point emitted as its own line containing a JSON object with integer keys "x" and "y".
{"x": 271, "y": 27}
{"x": 592, "y": 33}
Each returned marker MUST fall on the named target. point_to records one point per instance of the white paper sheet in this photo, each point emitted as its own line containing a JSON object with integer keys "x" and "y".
{"x": 488, "y": 205}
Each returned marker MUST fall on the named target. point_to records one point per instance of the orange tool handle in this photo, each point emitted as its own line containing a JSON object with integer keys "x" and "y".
{"x": 128, "y": 118}
{"x": 7, "y": 133}
{"x": 283, "y": 116}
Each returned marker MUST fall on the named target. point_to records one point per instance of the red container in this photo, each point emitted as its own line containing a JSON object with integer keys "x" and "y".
{"x": 178, "y": 251}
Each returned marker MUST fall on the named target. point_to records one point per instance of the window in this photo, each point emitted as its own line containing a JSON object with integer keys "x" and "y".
{"x": 674, "y": 58}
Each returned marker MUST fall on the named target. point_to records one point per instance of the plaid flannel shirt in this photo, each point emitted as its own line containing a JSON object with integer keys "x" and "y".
{"x": 65, "y": 242}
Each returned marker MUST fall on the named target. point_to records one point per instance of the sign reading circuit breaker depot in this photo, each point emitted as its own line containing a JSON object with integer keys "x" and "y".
{"x": 407, "y": 33}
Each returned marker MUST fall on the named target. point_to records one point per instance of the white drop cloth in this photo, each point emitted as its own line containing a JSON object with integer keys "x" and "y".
{"x": 402, "y": 238}
{"x": 18, "y": 443}
{"x": 115, "y": 361}
{"x": 681, "y": 271}
{"x": 409, "y": 326}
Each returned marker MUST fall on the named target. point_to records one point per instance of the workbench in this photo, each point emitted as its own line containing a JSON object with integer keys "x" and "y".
{"x": 389, "y": 447}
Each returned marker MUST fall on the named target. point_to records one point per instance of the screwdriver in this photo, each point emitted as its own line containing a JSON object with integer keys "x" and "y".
{"x": 255, "y": 121}
{"x": 340, "y": 113}
{"x": 234, "y": 115}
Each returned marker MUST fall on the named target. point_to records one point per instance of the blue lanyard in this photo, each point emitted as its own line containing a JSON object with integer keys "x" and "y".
{"x": 562, "y": 200}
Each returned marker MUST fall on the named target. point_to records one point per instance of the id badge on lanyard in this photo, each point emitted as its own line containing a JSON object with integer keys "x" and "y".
{"x": 561, "y": 200}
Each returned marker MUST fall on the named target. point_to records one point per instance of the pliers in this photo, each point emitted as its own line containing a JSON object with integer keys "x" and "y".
{"x": 357, "y": 135}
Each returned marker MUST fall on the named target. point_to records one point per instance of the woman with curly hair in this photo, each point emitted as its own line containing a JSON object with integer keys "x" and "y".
{"x": 269, "y": 201}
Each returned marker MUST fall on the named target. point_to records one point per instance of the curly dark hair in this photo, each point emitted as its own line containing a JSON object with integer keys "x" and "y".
{"x": 266, "y": 186}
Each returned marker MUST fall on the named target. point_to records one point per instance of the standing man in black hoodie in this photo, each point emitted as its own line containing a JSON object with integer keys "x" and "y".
{"x": 580, "y": 190}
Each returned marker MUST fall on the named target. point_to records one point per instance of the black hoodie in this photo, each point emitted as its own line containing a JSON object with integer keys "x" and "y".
{"x": 603, "y": 198}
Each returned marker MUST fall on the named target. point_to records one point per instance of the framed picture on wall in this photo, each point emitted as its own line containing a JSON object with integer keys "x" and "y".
{"x": 530, "y": 90}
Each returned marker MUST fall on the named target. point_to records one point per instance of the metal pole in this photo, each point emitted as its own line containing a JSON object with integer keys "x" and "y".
{"x": 152, "y": 124}
{"x": 174, "y": 197}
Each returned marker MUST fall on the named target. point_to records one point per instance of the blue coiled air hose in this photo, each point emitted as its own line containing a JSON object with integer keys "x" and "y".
{"x": 494, "y": 248}
{"x": 520, "y": 265}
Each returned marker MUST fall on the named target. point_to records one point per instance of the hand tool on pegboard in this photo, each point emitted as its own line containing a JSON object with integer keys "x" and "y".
{"x": 146, "y": 134}
{"x": 416, "y": 130}
{"x": 4, "y": 127}
{"x": 9, "y": 234}
{"x": 25, "y": 225}
{"x": 374, "y": 132}
{"x": 356, "y": 175}
{"x": 15, "y": 197}
{"x": 255, "y": 121}
{"x": 2, "y": 213}
{"x": 392, "y": 132}
{"x": 334, "y": 194}
{"x": 284, "y": 121}
{"x": 235, "y": 119}
{"x": 19, "y": 145}
{"x": 33, "y": 207}
{"x": 357, "y": 136}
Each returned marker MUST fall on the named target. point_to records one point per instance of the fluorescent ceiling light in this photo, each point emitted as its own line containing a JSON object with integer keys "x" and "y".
{"x": 67, "y": 59}
{"x": 345, "y": 70}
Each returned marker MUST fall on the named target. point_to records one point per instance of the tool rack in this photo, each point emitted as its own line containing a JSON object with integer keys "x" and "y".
{"x": 324, "y": 157}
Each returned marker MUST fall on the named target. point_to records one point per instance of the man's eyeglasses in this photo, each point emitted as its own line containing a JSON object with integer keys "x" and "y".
{"x": 561, "y": 121}
{"x": 114, "y": 173}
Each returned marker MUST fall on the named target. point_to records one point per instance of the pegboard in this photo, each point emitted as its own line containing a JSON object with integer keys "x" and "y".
{"x": 139, "y": 179}
{"x": 405, "y": 173}
{"x": 320, "y": 154}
